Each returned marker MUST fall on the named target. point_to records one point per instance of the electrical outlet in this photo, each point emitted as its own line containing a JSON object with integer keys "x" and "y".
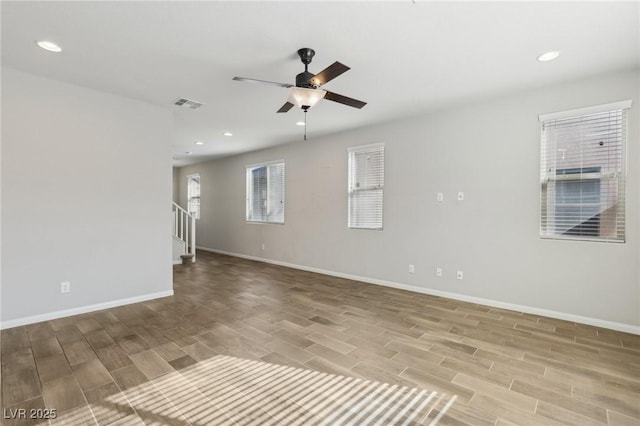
{"x": 460, "y": 196}
{"x": 459, "y": 275}
{"x": 412, "y": 268}
{"x": 439, "y": 197}
{"x": 263, "y": 246}
{"x": 65, "y": 287}
{"x": 438, "y": 272}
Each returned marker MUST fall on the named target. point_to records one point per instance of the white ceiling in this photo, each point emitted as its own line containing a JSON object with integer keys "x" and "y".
{"x": 406, "y": 58}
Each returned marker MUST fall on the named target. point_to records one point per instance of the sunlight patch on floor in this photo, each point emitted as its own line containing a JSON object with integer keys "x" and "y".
{"x": 225, "y": 390}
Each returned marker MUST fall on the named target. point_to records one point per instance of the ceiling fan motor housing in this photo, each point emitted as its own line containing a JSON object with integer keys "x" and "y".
{"x": 302, "y": 80}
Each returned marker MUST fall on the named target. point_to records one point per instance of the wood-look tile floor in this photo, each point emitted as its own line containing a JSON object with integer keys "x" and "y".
{"x": 125, "y": 366}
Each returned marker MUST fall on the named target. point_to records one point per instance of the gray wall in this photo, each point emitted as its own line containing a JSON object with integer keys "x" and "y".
{"x": 489, "y": 150}
{"x": 86, "y": 186}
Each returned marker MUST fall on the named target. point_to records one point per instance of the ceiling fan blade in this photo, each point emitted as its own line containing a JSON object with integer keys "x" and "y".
{"x": 253, "y": 80}
{"x": 344, "y": 100}
{"x": 286, "y": 107}
{"x": 328, "y": 74}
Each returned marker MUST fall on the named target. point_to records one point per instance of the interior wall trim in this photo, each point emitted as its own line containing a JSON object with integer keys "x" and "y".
{"x": 82, "y": 309}
{"x": 612, "y": 325}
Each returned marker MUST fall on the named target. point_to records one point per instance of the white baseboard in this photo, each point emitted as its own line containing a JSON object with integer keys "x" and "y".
{"x": 177, "y": 262}
{"x": 82, "y": 310}
{"x": 627, "y": 328}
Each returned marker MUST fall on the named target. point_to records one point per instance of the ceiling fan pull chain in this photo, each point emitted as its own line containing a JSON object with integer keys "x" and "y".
{"x": 305, "y": 124}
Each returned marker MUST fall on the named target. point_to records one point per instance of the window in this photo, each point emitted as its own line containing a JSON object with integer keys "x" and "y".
{"x": 366, "y": 186}
{"x": 265, "y": 192}
{"x": 193, "y": 195}
{"x": 582, "y": 173}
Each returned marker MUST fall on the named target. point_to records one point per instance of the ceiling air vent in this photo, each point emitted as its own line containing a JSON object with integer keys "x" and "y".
{"x": 186, "y": 103}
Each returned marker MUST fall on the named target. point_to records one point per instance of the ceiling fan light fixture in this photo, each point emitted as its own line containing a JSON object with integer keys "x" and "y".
{"x": 302, "y": 97}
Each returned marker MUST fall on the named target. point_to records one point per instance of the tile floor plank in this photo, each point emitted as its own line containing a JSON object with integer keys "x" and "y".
{"x": 63, "y": 394}
{"x": 151, "y": 364}
{"x": 91, "y": 374}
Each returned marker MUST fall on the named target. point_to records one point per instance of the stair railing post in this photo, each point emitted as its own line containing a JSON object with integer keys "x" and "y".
{"x": 193, "y": 237}
{"x": 187, "y": 234}
{"x": 182, "y": 217}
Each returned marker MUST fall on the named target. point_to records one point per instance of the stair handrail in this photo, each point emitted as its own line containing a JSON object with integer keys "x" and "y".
{"x": 184, "y": 228}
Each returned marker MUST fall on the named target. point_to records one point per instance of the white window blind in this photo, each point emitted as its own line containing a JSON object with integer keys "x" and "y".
{"x": 193, "y": 195}
{"x": 366, "y": 186}
{"x": 582, "y": 173}
{"x": 265, "y": 192}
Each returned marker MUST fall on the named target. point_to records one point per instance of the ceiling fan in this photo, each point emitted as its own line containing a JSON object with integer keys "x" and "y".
{"x": 307, "y": 91}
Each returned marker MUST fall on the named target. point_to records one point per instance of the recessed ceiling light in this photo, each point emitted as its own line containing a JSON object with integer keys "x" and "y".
{"x": 300, "y": 123}
{"x": 228, "y": 134}
{"x": 199, "y": 143}
{"x": 549, "y": 56}
{"x": 49, "y": 45}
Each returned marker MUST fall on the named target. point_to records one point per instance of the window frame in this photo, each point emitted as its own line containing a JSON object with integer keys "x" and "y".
{"x": 197, "y": 214}
{"x": 584, "y": 173}
{"x": 351, "y": 188}
{"x": 249, "y": 200}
